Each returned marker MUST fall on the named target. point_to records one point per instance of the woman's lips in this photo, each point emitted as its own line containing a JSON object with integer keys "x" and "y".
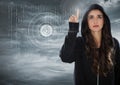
{"x": 96, "y": 26}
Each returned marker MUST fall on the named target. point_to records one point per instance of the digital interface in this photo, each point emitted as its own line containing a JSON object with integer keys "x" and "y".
{"x": 32, "y": 33}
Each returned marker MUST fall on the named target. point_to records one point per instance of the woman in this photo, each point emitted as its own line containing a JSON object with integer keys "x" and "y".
{"x": 96, "y": 53}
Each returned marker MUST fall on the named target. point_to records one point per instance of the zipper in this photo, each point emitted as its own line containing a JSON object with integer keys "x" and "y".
{"x": 98, "y": 79}
{"x": 98, "y": 76}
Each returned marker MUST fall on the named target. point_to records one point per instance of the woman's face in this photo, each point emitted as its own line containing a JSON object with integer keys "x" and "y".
{"x": 95, "y": 20}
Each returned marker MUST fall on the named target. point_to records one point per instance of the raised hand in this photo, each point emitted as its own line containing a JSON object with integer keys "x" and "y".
{"x": 75, "y": 18}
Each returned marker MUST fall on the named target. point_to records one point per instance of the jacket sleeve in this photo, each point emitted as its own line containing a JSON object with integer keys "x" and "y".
{"x": 67, "y": 52}
{"x": 117, "y": 65}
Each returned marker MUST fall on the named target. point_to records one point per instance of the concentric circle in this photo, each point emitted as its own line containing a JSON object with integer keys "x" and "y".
{"x": 46, "y": 30}
{"x": 42, "y": 29}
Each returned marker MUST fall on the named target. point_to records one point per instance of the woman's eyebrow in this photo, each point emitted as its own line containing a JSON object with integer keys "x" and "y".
{"x": 100, "y": 15}
{"x": 90, "y": 15}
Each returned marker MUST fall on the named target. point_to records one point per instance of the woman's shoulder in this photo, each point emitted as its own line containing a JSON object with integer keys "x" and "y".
{"x": 116, "y": 42}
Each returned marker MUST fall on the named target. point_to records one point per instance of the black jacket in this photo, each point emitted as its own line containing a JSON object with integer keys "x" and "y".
{"x": 73, "y": 50}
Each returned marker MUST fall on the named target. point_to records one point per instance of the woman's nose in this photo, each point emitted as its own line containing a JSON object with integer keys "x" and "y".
{"x": 95, "y": 21}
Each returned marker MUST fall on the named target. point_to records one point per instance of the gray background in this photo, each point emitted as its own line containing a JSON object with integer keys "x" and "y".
{"x": 29, "y": 58}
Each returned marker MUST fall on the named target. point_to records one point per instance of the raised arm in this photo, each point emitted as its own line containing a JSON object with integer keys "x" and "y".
{"x": 67, "y": 52}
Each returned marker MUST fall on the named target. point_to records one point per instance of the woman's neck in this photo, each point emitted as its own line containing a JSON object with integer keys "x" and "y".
{"x": 97, "y": 37}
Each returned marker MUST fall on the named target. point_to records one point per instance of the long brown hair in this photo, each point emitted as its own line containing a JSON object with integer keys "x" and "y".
{"x": 104, "y": 56}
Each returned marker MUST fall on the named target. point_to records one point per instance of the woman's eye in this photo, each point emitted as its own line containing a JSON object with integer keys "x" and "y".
{"x": 100, "y": 16}
{"x": 90, "y": 17}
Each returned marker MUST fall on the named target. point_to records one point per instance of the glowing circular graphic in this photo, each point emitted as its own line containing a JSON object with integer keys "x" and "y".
{"x": 46, "y": 30}
{"x": 43, "y": 29}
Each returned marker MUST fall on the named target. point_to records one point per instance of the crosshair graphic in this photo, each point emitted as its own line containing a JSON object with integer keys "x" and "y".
{"x": 41, "y": 28}
{"x": 46, "y": 30}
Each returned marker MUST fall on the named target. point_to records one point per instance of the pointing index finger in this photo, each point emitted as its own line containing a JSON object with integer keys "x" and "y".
{"x": 77, "y": 12}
